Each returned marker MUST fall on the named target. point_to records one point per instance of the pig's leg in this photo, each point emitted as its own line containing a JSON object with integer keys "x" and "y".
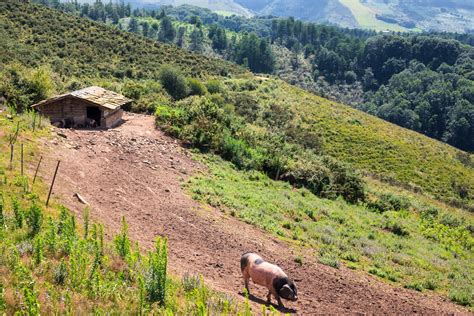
{"x": 246, "y": 277}
{"x": 246, "y": 282}
{"x": 279, "y": 301}
{"x": 269, "y": 297}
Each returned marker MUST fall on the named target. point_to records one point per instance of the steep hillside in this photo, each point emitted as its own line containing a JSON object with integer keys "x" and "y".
{"x": 81, "y": 48}
{"x": 327, "y": 11}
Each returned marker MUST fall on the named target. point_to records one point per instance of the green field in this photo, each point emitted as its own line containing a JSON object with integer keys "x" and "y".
{"x": 365, "y": 17}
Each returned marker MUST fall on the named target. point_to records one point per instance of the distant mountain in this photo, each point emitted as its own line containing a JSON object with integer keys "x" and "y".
{"x": 381, "y": 15}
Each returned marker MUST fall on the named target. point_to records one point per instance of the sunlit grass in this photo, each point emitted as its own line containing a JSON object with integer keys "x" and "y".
{"x": 401, "y": 246}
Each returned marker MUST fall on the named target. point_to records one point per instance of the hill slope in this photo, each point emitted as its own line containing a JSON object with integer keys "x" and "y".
{"x": 83, "y": 48}
{"x": 78, "y": 48}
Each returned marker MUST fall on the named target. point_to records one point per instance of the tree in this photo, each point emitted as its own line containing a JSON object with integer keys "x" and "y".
{"x": 197, "y": 39}
{"x": 174, "y": 82}
{"x": 255, "y": 53}
{"x": 167, "y": 31}
{"x": 146, "y": 29}
{"x": 181, "y": 37}
{"x": 133, "y": 25}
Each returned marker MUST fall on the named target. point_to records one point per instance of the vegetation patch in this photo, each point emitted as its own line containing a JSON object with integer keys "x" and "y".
{"x": 412, "y": 248}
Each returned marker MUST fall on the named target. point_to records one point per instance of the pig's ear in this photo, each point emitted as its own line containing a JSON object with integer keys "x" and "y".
{"x": 285, "y": 291}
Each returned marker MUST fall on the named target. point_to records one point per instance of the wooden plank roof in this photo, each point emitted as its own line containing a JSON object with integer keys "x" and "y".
{"x": 95, "y": 95}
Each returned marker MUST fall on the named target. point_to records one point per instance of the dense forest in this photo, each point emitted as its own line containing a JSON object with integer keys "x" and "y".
{"x": 424, "y": 82}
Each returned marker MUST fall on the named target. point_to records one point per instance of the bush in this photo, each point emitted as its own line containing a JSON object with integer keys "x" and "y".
{"x": 174, "y": 82}
{"x": 122, "y": 243}
{"x": 22, "y": 87}
{"x": 214, "y": 86}
{"x": 196, "y": 87}
{"x": 60, "y": 273}
{"x": 155, "y": 279}
{"x": 329, "y": 260}
{"x": 389, "y": 202}
{"x": 34, "y": 218}
{"x": 396, "y": 228}
{"x": 461, "y": 297}
{"x": 326, "y": 177}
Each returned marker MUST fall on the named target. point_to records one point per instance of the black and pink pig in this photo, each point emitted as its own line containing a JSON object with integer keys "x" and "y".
{"x": 269, "y": 275}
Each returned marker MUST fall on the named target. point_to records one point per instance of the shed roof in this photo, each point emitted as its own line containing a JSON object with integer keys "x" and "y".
{"x": 96, "y": 95}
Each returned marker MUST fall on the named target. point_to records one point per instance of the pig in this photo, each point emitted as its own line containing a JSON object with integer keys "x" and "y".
{"x": 269, "y": 275}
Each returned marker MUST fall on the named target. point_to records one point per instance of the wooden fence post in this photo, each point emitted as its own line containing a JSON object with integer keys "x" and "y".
{"x": 11, "y": 157}
{"x": 37, "y": 168}
{"x": 52, "y": 183}
{"x": 34, "y": 120}
{"x": 21, "y": 159}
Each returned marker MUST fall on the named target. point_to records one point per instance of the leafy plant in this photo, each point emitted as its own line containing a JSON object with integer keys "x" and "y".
{"x": 122, "y": 242}
{"x": 155, "y": 277}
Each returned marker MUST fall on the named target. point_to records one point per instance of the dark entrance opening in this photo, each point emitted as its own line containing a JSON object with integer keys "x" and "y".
{"x": 93, "y": 113}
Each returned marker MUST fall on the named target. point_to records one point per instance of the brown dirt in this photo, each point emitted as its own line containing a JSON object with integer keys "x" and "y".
{"x": 136, "y": 171}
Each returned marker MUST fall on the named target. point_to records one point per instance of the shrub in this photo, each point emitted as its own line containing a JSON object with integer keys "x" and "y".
{"x": 174, "y": 82}
{"x": 196, "y": 87}
{"x": 329, "y": 260}
{"x": 461, "y": 297}
{"x": 238, "y": 152}
{"x": 191, "y": 282}
{"x": 38, "y": 250}
{"x": 34, "y": 218}
{"x": 326, "y": 177}
{"x": 18, "y": 213}
{"x": 60, "y": 273}
{"x": 389, "y": 202}
{"x": 214, "y": 86}
{"x": 155, "y": 279}
{"x": 396, "y": 228}
{"x": 414, "y": 286}
{"x": 2, "y": 216}
{"x": 299, "y": 260}
{"x": 122, "y": 243}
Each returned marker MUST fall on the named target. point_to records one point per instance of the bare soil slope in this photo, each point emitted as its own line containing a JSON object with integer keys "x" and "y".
{"x": 136, "y": 171}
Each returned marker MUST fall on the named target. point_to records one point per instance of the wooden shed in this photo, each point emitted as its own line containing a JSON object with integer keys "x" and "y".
{"x": 88, "y": 107}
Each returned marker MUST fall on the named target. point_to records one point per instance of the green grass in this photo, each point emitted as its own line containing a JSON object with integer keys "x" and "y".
{"x": 365, "y": 17}
{"x": 372, "y": 145}
{"x": 429, "y": 255}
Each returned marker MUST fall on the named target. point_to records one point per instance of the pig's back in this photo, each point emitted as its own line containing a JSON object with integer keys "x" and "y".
{"x": 263, "y": 272}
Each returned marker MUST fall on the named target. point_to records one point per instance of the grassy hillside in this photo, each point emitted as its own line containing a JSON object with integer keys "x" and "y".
{"x": 416, "y": 243}
{"x": 376, "y": 146}
{"x": 91, "y": 52}
{"x": 35, "y": 35}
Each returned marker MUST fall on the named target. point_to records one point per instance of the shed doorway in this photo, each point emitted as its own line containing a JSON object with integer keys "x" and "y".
{"x": 94, "y": 113}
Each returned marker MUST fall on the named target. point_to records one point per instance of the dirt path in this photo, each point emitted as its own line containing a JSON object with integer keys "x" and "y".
{"x": 135, "y": 170}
